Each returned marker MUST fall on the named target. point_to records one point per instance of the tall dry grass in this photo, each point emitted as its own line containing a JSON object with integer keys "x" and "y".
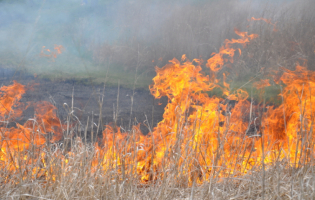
{"x": 73, "y": 168}
{"x": 76, "y": 169}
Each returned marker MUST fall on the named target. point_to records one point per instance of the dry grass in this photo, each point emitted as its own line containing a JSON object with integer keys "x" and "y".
{"x": 78, "y": 181}
{"x": 76, "y": 169}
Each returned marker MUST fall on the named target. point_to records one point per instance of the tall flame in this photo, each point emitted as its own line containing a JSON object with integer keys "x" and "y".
{"x": 199, "y": 137}
{"x": 16, "y": 140}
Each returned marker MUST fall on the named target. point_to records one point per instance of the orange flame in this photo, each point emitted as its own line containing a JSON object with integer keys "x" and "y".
{"x": 268, "y": 21}
{"x": 226, "y": 53}
{"x": 32, "y": 135}
{"x": 200, "y": 136}
{"x": 58, "y": 50}
{"x": 262, "y": 84}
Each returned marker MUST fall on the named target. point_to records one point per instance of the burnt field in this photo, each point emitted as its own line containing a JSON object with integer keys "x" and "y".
{"x": 145, "y": 99}
{"x": 86, "y": 98}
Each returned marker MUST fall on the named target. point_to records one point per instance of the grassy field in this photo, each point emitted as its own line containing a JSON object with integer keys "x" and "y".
{"x": 41, "y": 160}
{"x": 258, "y": 147}
{"x": 78, "y": 180}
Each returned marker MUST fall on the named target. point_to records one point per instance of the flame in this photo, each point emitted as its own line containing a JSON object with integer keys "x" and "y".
{"x": 200, "y": 136}
{"x": 53, "y": 54}
{"x": 33, "y": 135}
{"x": 262, "y": 83}
{"x": 268, "y": 21}
{"x": 59, "y": 48}
{"x": 10, "y": 96}
{"x": 199, "y": 133}
{"x": 226, "y": 52}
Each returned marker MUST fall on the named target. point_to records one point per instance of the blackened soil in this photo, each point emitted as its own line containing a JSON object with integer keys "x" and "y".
{"x": 86, "y": 101}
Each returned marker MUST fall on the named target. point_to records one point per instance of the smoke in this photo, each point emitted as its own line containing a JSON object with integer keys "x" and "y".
{"x": 26, "y": 26}
{"x": 94, "y": 31}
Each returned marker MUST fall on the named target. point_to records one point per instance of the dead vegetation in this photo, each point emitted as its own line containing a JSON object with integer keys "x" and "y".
{"x": 197, "y": 151}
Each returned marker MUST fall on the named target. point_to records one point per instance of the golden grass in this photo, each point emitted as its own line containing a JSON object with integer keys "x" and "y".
{"x": 77, "y": 180}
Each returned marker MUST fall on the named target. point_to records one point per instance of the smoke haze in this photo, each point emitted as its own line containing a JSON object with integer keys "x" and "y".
{"x": 122, "y": 35}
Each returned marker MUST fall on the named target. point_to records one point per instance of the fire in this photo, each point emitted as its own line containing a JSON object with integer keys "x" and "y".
{"x": 262, "y": 83}
{"x": 207, "y": 136}
{"x": 52, "y": 54}
{"x": 200, "y": 133}
{"x": 200, "y": 137}
{"x": 10, "y": 96}
{"x": 268, "y": 21}
{"x": 218, "y": 59}
{"x": 16, "y": 140}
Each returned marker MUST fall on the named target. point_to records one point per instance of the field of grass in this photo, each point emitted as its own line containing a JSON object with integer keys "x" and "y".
{"x": 78, "y": 179}
{"x": 33, "y": 166}
{"x": 258, "y": 147}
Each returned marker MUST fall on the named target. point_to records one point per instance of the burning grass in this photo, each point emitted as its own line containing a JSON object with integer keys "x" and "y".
{"x": 205, "y": 147}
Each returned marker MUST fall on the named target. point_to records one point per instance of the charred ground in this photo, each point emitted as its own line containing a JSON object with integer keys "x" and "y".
{"x": 86, "y": 101}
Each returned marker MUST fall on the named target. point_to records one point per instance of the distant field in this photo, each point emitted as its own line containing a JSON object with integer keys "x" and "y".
{"x": 87, "y": 73}
{"x": 68, "y": 66}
